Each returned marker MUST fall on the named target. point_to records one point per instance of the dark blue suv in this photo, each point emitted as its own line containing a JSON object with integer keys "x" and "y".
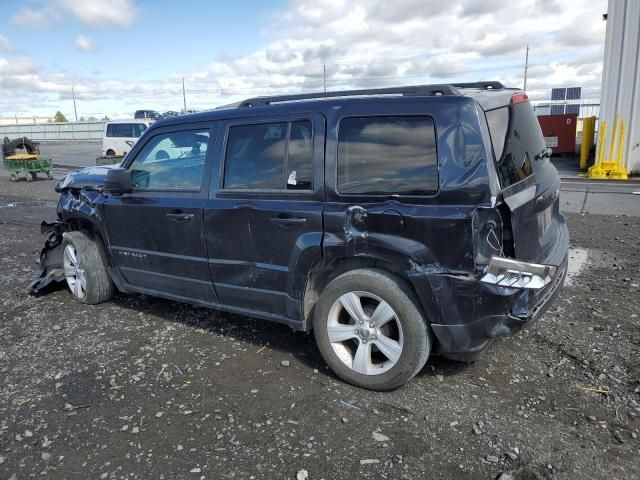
{"x": 394, "y": 223}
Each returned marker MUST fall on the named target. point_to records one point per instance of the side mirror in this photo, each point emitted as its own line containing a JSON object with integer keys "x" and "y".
{"x": 118, "y": 181}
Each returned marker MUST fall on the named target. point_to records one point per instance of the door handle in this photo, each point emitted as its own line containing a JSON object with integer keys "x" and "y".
{"x": 288, "y": 220}
{"x": 180, "y": 217}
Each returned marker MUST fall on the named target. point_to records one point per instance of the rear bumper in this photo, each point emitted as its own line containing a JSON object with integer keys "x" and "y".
{"x": 467, "y": 341}
{"x": 467, "y": 314}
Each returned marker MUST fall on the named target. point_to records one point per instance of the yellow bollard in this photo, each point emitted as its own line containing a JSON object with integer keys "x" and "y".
{"x": 611, "y": 167}
{"x": 618, "y": 172}
{"x": 596, "y": 171}
{"x": 588, "y": 129}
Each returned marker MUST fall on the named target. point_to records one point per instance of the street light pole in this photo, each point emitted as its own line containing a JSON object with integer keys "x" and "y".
{"x": 324, "y": 76}
{"x": 184, "y": 96}
{"x": 75, "y": 110}
{"x": 526, "y": 68}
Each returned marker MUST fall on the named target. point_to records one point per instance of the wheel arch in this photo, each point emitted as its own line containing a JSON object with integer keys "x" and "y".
{"x": 326, "y": 270}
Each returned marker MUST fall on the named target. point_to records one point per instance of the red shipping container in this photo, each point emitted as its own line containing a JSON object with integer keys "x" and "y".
{"x": 559, "y": 132}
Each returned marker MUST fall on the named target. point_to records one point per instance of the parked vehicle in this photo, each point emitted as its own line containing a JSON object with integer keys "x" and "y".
{"x": 147, "y": 115}
{"x": 120, "y": 136}
{"x": 394, "y": 223}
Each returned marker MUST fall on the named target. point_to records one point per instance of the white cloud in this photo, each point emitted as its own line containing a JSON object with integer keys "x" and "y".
{"x": 30, "y": 18}
{"x": 83, "y": 43}
{"x": 94, "y": 13}
{"x": 101, "y": 13}
{"x": 4, "y": 43}
{"x": 361, "y": 43}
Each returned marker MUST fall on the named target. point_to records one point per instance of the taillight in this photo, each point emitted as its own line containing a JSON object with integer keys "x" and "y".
{"x": 519, "y": 98}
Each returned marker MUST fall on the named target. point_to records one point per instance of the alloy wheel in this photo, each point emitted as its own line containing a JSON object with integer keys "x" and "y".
{"x": 365, "y": 333}
{"x": 74, "y": 272}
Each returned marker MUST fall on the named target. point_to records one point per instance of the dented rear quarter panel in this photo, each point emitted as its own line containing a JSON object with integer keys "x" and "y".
{"x": 420, "y": 238}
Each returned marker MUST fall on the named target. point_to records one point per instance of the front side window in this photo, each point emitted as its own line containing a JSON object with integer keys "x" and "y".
{"x": 269, "y": 156}
{"x": 387, "y": 156}
{"x": 171, "y": 161}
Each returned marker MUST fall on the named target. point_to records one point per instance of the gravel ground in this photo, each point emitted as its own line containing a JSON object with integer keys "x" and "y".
{"x": 141, "y": 388}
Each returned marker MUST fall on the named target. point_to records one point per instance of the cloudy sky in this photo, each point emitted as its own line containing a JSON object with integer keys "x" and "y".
{"x": 123, "y": 55}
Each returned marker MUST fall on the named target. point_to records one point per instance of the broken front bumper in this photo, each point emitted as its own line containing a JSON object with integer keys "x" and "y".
{"x": 50, "y": 257}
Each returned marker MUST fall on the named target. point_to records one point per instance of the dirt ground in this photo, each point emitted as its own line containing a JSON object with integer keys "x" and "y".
{"x": 142, "y": 388}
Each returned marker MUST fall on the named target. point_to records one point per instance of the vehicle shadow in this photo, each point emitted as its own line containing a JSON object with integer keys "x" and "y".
{"x": 276, "y": 337}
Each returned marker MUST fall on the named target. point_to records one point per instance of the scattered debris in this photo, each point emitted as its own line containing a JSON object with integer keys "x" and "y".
{"x": 379, "y": 437}
{"x": 595, "y": 390}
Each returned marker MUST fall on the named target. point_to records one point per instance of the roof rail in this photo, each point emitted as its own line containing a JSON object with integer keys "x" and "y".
{"x": 486, "y": 85}
{"x": 414, "y": 90}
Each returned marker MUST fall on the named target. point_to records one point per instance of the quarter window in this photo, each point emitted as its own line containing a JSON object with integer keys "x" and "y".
{"x": 387, "y": 156}
{"x": 171, "y": 161}
{"x": 270, "y": 156}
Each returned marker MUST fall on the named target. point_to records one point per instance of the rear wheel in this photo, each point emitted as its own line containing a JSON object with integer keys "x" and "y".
{"x": 110, "y": 153}
{"x": 13, "y": 177}
{"x": 85, "y": 268}
{"x": 30, "y": 176}
{"x": 370, "y": 331}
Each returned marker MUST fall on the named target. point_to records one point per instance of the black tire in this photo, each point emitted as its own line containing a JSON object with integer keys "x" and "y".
{"x": 110, "y": 153}
{"x": 93, "y": 258}
{"x": 416, "y": 334}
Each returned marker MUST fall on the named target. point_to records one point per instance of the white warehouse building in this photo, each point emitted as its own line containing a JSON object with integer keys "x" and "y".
{"x": 621, "y": 77}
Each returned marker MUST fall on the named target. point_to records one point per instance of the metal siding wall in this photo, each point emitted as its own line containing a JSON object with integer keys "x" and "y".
{"x": 55, "y": 132}
{"x": 621, "y": 76}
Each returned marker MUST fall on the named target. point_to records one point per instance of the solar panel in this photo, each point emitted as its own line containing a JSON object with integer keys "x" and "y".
{"x": 556, "y": 110}
{"x": 558, "y": 93}
{"x": 573, "y": 93}
{"x": 572, "y": 109}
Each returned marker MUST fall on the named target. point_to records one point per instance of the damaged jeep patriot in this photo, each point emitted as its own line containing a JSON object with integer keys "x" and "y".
{"x": 393, "y": 223}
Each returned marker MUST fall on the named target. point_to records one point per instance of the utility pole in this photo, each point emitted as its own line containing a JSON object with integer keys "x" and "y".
{"x": 75, "y": 110}
{"x": 324, "y": 76}
{"x": 526, "y": 67}
{"x": 184, "y": 96}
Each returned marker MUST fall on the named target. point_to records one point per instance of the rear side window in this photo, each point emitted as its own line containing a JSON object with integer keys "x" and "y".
{"x": 387, "y": 156}
{"x": 270, "y": 156}
{"x": 517, "y": 140}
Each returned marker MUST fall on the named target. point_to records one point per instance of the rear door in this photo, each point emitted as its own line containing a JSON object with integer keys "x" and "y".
{"x": 156, "y": 232}
{"x": 263, "y": 218}
{"x": 529, "y": 181}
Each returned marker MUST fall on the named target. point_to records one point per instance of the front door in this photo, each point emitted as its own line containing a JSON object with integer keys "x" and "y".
{"x": 263, "y": 219}
{"x": 156, "y": 232}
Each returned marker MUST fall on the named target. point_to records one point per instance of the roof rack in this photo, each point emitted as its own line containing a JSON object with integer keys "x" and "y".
{"x": 415, "y": 90}
{"x": 487, "y": 85}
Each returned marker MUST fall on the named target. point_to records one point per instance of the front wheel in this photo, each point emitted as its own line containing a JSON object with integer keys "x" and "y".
{"x": 370, "y": 330}
{"x": 85, "y": 268}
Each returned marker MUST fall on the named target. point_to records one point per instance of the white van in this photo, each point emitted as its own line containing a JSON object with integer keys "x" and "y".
{"x": 120, "y": 135}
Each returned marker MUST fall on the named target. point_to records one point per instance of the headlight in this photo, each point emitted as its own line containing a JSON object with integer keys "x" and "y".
{"x": 507, "y": 272}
